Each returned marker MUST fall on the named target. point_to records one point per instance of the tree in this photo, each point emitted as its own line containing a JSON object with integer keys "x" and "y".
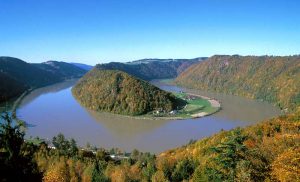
{"x": 183, "y": 170}
{"x": 286, "y": 167}
{"x": 65, "y": 147}
{"x": 159, "y": 176}
{"x": 58, "y": 172}
{"x": 15, "y": 155}
{"x": 229, "y": 154}
{"x": 149, "y": 170}
{"x": 97, "y": 173}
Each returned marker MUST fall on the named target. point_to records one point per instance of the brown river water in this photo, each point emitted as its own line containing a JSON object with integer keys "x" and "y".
{"x": 53, "y": 109}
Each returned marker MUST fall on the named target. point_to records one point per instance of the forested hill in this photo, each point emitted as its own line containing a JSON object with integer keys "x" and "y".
{"x": 16, "y": 76}
{"x": 269, "y": 78}
{"x": 148, "y": 69}
{"x": 118, "y": 92}
{"x": 83, "y": 66}
{"x": 10, "y": 87}
{"x": 26, "y": 73}
{"x": 268, "y": 151}
{"x": 62, "y": 69}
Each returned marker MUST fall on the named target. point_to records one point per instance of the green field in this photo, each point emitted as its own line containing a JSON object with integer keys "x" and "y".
{"x": 167, "y": 81}
{"x": 194, "y": 105}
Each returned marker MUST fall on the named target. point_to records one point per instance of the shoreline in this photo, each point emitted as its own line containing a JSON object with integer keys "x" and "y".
{"x": 18, "y": 100}
{"x": 214, "y": 103}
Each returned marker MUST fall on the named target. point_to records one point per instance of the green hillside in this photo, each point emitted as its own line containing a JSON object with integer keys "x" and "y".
{"x": 118, "y": 92}
{"x": 273, "y": 79}
{"x": 148, "y": 69}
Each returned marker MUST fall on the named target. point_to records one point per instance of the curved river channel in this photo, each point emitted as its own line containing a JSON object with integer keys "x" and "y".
{"x": 53, "y": 109}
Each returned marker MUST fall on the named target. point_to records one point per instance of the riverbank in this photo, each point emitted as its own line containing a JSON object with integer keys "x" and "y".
{"x": 197, "y": 106}
{"x": 66, "y": 115}
{"x": 18, "y": 101}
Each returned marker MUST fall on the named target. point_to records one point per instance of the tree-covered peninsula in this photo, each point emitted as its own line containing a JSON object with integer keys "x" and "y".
{"x": 120, "y": 93}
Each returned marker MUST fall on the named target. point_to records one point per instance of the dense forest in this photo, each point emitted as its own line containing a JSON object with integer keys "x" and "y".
{"x": 16, "y": 76}
{"x": 61, "y": 69}
{"x": 149, "y": 69}
{"x": 10, "y": 87}
{"x": 268, "y": 151}
{"x": 268, "y": 78}
{"x": 118, "y": 92}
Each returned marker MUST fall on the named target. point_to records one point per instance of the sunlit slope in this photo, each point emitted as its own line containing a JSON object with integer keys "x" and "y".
{"x": 273, "y": 79}
{"x": 269, "y": 150}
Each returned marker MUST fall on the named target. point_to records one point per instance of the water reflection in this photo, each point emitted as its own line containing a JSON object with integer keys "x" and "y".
{"x": 46, "y": 90}
{"x": 126, "y": 127}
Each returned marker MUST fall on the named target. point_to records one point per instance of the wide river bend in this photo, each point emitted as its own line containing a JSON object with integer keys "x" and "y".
{"x": 53, "y": 109}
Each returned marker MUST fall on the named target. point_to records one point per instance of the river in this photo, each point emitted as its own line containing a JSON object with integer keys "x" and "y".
{"x": 53, "y": 109}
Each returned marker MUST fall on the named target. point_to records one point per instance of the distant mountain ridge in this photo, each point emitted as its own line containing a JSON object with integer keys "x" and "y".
{"x": 148, "y": 69}
{"x": 25, "y": 72}
{"x": 62, "y": 69}
{"x": 83, "y": 66}
{"x": 149, "y": 60}
{"x": 17, "y": 76}
{"x": 270, "y": 78}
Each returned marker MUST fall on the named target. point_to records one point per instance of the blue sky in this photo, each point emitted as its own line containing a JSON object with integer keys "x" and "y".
{"x": 95, "y": 31}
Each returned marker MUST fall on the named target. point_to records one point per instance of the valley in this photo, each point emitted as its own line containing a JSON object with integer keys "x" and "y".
{"x": 116, "y": 109}
{"x": 150, "y": 91}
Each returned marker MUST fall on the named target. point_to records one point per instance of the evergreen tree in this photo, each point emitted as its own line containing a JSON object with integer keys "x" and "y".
{"x": 97, "y": 174}
{"x": 229, "y": 154}
{"x": 15, "y": 155}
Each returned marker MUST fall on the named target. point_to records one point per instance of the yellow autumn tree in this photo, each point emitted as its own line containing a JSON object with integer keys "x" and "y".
{"x": 286, "y": 167}
{"x": 58, "y": 172}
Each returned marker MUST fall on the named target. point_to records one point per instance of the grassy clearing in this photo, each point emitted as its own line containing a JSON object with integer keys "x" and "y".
{"x": 167, "y": 81}
{"x": 195, "y": 105}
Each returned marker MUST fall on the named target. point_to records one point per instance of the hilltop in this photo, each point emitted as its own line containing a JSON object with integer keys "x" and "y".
{"x": 148, "y": 69}
{"x": 118, "y": 92}
{"x": 268, "y": 78}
